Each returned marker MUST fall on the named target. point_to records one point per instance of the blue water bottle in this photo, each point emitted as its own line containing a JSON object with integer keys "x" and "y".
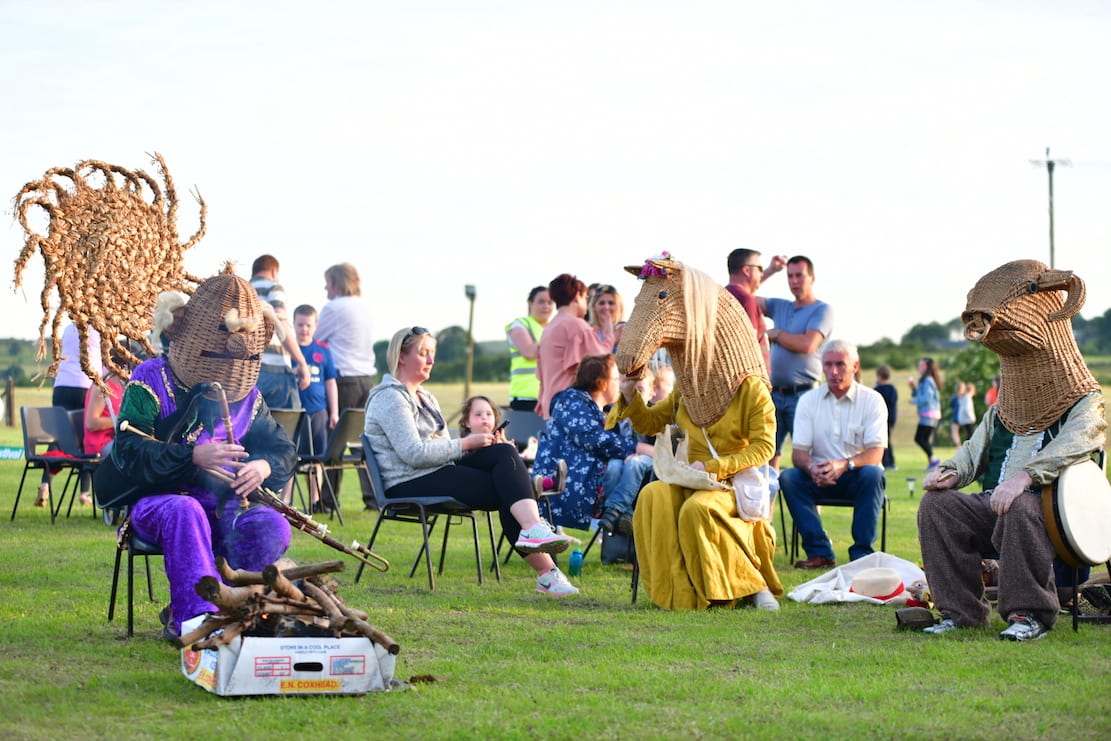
{"x": 576, "y": 562}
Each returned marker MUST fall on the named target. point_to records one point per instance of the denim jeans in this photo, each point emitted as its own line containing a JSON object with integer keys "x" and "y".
{"x": 864, "y": 486}
{"x": 621, "y": 482}
{"x": 785, "y": 405}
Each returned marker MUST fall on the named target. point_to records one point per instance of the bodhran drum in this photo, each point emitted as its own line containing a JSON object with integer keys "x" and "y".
{"x": 1077, "y": 514}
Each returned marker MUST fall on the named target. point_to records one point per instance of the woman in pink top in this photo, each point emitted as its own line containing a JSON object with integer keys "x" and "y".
{"x": 566, "y": 340}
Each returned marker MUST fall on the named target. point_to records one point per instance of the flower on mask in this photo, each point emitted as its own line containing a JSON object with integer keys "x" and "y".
{"x": 650, "y": 270}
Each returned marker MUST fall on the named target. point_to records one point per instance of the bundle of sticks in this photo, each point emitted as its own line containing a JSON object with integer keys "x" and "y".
{"x": 283, "y": 600}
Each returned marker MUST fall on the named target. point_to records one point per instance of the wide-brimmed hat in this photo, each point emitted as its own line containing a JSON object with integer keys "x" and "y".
{"x": 878, "y": 583}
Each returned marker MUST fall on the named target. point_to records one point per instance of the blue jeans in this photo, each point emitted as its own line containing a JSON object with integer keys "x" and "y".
{"x": 279, "y": 388}
{"x": 784, "y": 416}
{"x": 864, "y": 487}
{"x": 621, "y": 482}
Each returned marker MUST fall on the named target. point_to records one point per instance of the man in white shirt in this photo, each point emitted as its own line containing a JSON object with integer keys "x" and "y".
{"x": 838, "y": 440}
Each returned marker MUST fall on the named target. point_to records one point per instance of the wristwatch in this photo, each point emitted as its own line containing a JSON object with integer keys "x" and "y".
{"x": 850, "y": 463}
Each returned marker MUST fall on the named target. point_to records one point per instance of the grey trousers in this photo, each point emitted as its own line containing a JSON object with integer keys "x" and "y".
{"x": 955, "y": 530}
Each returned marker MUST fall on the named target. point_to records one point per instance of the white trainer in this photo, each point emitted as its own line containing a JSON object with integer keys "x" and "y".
{"x": 541, "y": 539}
{"x": 555, "y": 583}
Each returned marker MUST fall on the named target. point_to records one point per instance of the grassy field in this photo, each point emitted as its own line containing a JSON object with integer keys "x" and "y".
{"x": 512, "y": 664}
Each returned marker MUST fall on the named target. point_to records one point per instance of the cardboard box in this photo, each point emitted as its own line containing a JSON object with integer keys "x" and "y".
{"x": 289, "y": 666}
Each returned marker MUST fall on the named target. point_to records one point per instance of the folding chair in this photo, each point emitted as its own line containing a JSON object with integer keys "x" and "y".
{"x": 424, "y": 511}
{"x": 49, "y": 428}
{"x": 295, "y": 422}
{"x": 85, "y": 475}
{"x": 341, "y": 452}
{"x": 134, "y": 546}
{"x": 795, "y": 537}
{"x": 522, "y": 426}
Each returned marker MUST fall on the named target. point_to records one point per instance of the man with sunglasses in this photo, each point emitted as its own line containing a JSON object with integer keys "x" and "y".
{"x": 745, "y": 276}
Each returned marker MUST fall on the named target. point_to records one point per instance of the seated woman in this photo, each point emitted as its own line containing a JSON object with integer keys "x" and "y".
{"x": 418, "y": 457}
{"x": 602, "y": 465}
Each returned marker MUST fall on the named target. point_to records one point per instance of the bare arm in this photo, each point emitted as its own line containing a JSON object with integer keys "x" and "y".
{"x": 803, "y": 344}
{"x": 522, "y": 340}
{"x": 331, "y": 395}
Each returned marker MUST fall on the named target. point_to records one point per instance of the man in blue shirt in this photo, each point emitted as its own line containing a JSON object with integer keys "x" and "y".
{"x": 801, "y": 326}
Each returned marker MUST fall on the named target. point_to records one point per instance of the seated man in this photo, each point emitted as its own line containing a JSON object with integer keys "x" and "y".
{"x": 172, "y": 438}
{"x": 1023, "y": 443}
{"x": 838, "y": 440}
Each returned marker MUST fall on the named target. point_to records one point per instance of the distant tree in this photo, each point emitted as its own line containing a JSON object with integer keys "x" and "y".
{"x": 15, "y": 348}
{"x": 932, "y": 336}
{"x": 451, "y": 345}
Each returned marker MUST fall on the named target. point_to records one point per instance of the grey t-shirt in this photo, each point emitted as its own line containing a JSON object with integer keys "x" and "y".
{"x": 790, "y": 368}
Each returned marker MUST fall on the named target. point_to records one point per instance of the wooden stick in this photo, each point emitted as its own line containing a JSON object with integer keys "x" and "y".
{"x": 281, "y": 584}
{"x": 228, "y": 599}
{"x": 211, "y": 624}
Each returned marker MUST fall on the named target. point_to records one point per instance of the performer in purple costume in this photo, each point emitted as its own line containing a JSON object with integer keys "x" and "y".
{"x": 173, "y": 434}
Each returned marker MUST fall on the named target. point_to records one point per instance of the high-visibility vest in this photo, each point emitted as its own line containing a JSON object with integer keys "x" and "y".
{"x": 523, "y": 383}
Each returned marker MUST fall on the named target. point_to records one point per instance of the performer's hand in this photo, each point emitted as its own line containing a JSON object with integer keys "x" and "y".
{"x": 224, "y": 456}
{"x": 939, "y": 479}
{"x": 698, "y": 466}
{"x": 630, "y": 387}
{"x": 250, "y": 477}
{"x": 1008, "y": 491}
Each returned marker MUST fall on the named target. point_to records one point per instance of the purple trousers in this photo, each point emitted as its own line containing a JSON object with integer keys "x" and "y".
{"x": 192, "y": 536}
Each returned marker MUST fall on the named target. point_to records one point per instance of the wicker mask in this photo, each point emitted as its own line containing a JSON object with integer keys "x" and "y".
{"x": 1017, "y": 311}
{"x": 219, "y": 335}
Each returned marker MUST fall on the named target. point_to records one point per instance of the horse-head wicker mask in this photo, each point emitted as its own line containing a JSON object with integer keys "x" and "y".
{"x": 1018, "y": 312}
{"x": 708, "y": 336}
{"x": 219, "y": 335}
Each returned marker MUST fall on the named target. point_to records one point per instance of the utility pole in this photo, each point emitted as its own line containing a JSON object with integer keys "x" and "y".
{"x": 469, "y": 291}
{"x": 1049, "y": 164}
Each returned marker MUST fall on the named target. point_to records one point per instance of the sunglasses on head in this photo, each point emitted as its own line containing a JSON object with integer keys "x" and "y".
{"x": 415, "y": 331}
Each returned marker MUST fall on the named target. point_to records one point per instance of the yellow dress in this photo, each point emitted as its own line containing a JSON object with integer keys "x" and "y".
{"x": 692, "y": 547}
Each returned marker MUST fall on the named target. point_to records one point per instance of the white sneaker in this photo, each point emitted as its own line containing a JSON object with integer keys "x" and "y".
{"x": 765, "y": 600}
{"x": 555, "y": 583}
{"x": 541, "y": 539}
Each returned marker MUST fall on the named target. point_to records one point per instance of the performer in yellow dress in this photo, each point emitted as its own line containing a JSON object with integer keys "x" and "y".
{"x": 693, "y": 547}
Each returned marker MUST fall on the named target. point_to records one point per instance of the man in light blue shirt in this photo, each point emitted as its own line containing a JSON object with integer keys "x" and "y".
{"x": 801, "y": 326}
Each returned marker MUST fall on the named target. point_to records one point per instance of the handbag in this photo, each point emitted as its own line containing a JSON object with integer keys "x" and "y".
{"x": 751, "y": 489}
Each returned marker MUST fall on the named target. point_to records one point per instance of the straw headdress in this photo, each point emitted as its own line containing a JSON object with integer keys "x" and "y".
{"x": 109, "y": 247}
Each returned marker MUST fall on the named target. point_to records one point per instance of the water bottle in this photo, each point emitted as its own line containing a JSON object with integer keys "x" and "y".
{"x": 576, "y": 562}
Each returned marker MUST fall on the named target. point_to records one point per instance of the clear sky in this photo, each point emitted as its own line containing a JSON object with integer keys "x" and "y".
{"x": 438, "y": 144}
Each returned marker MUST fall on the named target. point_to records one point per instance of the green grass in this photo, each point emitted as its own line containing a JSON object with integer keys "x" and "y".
{"x": 513, "y": 664}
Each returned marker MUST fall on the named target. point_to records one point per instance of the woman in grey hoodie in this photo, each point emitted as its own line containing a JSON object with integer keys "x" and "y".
{"x": 418, "y": 457}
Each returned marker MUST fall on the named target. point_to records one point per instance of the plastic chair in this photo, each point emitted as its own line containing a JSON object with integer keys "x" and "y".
{"x": 49, "y": 428}
{"x": 85, "y": 475}
{"x": 424, "y": 511}
{"x": 134, "y": 546}
{"x": 522, "y": 426}
{"x": 295, "y": 422}
{"x": 341, "y": 452}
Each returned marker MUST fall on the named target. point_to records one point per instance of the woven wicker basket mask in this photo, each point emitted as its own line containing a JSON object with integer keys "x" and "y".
{"x": 672, "y": 294}
{"x": 1018, "y": 312}
{"x": 219, "y": 335}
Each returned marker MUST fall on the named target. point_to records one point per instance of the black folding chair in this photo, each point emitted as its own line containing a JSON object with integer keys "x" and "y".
{"x": 424, "y": 511}
{"x": 341, "y": 452}
{"x": 49, "y": 445}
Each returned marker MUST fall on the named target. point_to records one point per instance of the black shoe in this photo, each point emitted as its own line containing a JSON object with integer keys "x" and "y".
{"x": 625, "y": 524}
{"x": 608, "y": 521}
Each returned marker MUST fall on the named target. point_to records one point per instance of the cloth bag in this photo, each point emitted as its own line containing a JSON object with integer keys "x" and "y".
{"x": 751, "y": 489}
{"x": 671, "y": 465}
